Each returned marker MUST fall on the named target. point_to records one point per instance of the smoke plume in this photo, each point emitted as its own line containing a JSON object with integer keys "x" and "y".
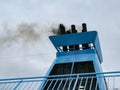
{"x": 56, "y": 30}
{"x": 24, "y": 32}
{"x": 28, "y": 32}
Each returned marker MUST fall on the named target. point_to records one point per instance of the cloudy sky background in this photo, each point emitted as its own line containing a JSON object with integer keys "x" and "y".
{"x": 30, "y": 53}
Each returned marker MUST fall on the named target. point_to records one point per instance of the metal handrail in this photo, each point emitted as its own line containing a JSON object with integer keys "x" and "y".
{"x": 80, "y": 74}
{"x": 57, "y": 80}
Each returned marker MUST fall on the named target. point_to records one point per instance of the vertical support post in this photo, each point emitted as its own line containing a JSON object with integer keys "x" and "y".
{"x": 65, "y": 83}
{"x": 86, "y": 81}
{"x": 17, "y": 85}
{"x": 71, "y": 79}
{"x": 60, "y": 84}
{"x": 113, "y": 83}
{"x": 76, "y": 82}
{"x": 91, "y": 83}
{"x": 80, "y": 82}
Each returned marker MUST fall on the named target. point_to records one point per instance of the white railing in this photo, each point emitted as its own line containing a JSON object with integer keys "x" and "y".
{"x": 84, "y": 81}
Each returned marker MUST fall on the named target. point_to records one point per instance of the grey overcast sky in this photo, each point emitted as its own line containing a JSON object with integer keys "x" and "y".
{"x": 30, "y": 53}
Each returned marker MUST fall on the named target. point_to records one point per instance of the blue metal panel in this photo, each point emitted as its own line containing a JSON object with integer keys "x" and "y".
{"x": 78, "y": 38}
{"x": 73, "y": 39}
{"x": 76, "y": 52}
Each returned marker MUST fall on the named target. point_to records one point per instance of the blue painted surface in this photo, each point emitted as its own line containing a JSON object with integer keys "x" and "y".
{"x": 74, "y": 38}
{"x": 77, "y": 56}
{"x": 82, "y": 55}
{"x": 78, "y": 38}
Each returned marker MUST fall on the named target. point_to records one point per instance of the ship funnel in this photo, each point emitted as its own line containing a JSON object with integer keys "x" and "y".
{"x": 75, "y": 56}
{"x": 73, "y": 28}
{"x": 61, "y": 29}
{"x": 84, "y": 27}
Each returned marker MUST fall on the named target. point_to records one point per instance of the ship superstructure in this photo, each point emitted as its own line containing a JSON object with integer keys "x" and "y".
{"x": 76, "y": 53}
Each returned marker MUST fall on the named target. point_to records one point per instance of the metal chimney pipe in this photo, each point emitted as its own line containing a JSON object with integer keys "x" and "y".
{"x": 61, "y": 29}
{"x": 84, "y": 27}
{"x": 73, "y": 28}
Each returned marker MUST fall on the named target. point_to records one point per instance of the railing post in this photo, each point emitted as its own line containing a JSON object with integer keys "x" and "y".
{"x": 96, "y": 84}
{"x": 80, "y": 82}
{"x": 17, "y": 85}
{"x": 102, "y": 81}
{"x": 86, "y": 83}
{"x": 76, "y": 82}
{"x": 60, "y": 84}
{"x": 55, "y": 84}
{"x": 71, "y": 79}
{"x": 91, "y": 83}
{"x": 113, "y": 83}
{"x": 65, "y": 83}
{"x": 50, "y": 84}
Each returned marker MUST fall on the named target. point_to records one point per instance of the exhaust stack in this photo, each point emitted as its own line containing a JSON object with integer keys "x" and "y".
{"x": 84, "y": 29}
